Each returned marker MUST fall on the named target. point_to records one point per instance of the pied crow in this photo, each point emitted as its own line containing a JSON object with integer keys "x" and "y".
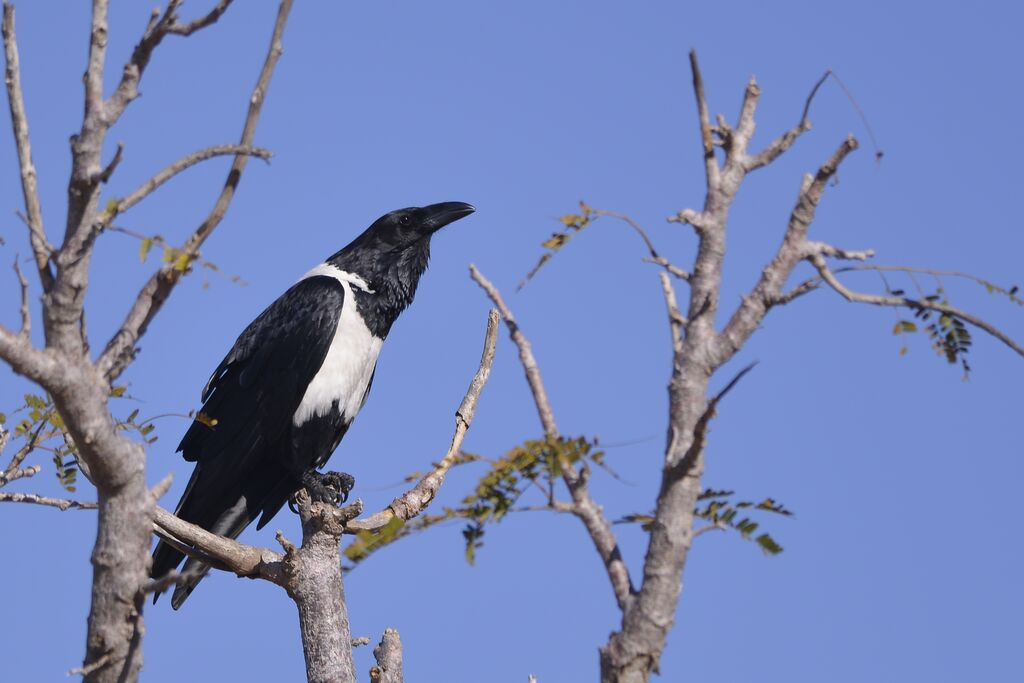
{"x": 285, "y": 394}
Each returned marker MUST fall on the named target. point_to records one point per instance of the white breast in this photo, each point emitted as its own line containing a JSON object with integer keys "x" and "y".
{"x": 348, "y": 367}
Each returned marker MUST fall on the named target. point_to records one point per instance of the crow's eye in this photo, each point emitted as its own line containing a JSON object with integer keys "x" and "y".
{"x": 404, "y": 220}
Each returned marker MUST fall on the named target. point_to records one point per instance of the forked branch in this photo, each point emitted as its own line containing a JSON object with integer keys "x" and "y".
{"x": 120, "y": 349}
{"x": 583, "y": 505}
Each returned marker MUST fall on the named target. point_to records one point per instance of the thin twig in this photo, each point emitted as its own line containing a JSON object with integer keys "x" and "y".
{"x": 200, "y": 23}
{"x": 710, "y": 163}
{"x": 93, "y": 666}
{"x": 860, "y": 112}
{"x": 672, "y": 269}
{"x": 112, "y": 166}
{"x": 180, "y": 165}
{"x": 921, "y": 271}
{"x": 682, "y": 468}
{"x": 157, "y": 28}
{"x": 529, "y": 363}
{"x": 59, "y": 503}
{"x": 26, "y": 319}
{"x": 676, "y": 320}
{"x": 904, "y": 302}
{"x": 20, "y": 455}
{"x": 782, "y": 143}
{"x": 41, "y": 248}
{"x": 654, "y": 257}
{"x": 414, "y": 501}
{"x": 717, "y": 526}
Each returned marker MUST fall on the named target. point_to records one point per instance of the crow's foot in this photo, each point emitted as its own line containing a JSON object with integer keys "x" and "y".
{"x": 328, "y": 487}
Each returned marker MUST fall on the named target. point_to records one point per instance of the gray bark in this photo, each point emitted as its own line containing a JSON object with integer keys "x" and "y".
{"x": 80, "y": 387}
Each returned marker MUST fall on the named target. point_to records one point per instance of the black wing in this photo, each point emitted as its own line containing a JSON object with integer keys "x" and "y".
{"x": 256, "y": 389}
{"x": 248, "y": 405}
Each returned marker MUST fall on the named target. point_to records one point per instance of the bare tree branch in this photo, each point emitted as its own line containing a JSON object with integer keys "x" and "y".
{"x": 904, "y": 302}
{"x": 157, "y": 28}
{"x": 16, "y": 473}
{"x": 41, "y": 248}
{"x": 654, "y": 257}
{"x": 59, "y": 503}
{"x": 26, "y": 318}
{"x": 177, "y": 167}
{"x": 794, "y": 248}
{"x": 414, "y": 501}
{"x": 632, "y": 653}
{"x": 243, "y": 560}
{"x": 710, "y": 163}
{"x": 782, "y": 143}
{"x": 120, "y": 349}
{"x": 680, "y": 469}
{"x": 676, "y": 321}
{"x": 584, "y": 506}
{"x": 389, "y": 659}
{"x": 112, "y": 166}
{"x": 105, "y": 659}
{"x": 804, "y": 287}
{"x": 25, "y": 359}
{"x": 533, "y": 378}
{"x": 200, "y": 23}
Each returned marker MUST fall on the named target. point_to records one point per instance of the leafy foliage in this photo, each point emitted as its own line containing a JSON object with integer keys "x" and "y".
{"x": 715, "y": 507}
{"x": 536, "y": 464}
{"x": 572, "y": 223}
{"x": 40, "y": 426}
{"x": 948, "y": 334}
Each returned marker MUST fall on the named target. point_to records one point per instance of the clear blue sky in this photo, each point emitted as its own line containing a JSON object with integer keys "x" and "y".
{"x": 902, "y": 562}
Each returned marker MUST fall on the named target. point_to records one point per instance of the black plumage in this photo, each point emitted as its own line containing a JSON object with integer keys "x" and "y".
{"x": 280, "y": 402}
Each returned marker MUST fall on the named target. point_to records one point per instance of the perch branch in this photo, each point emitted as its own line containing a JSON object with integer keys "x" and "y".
{"x": 242, "y": 559}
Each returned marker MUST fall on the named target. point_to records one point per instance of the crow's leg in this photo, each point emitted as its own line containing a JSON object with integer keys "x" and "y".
{"x": 328, "y": 487}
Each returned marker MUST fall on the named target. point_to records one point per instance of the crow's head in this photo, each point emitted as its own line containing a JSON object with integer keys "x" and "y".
{"x": 412, "y": 228}
{"x": 392, "y": 253}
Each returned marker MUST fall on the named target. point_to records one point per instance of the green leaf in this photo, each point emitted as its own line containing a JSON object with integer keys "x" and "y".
{"x": 144, "y": 247}
{"x": 768, "y": 544}
{"x": 904, "y": 326}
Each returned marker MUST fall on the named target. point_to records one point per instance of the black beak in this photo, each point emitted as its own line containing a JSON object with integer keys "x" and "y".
{"x": 440, "y": 215}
